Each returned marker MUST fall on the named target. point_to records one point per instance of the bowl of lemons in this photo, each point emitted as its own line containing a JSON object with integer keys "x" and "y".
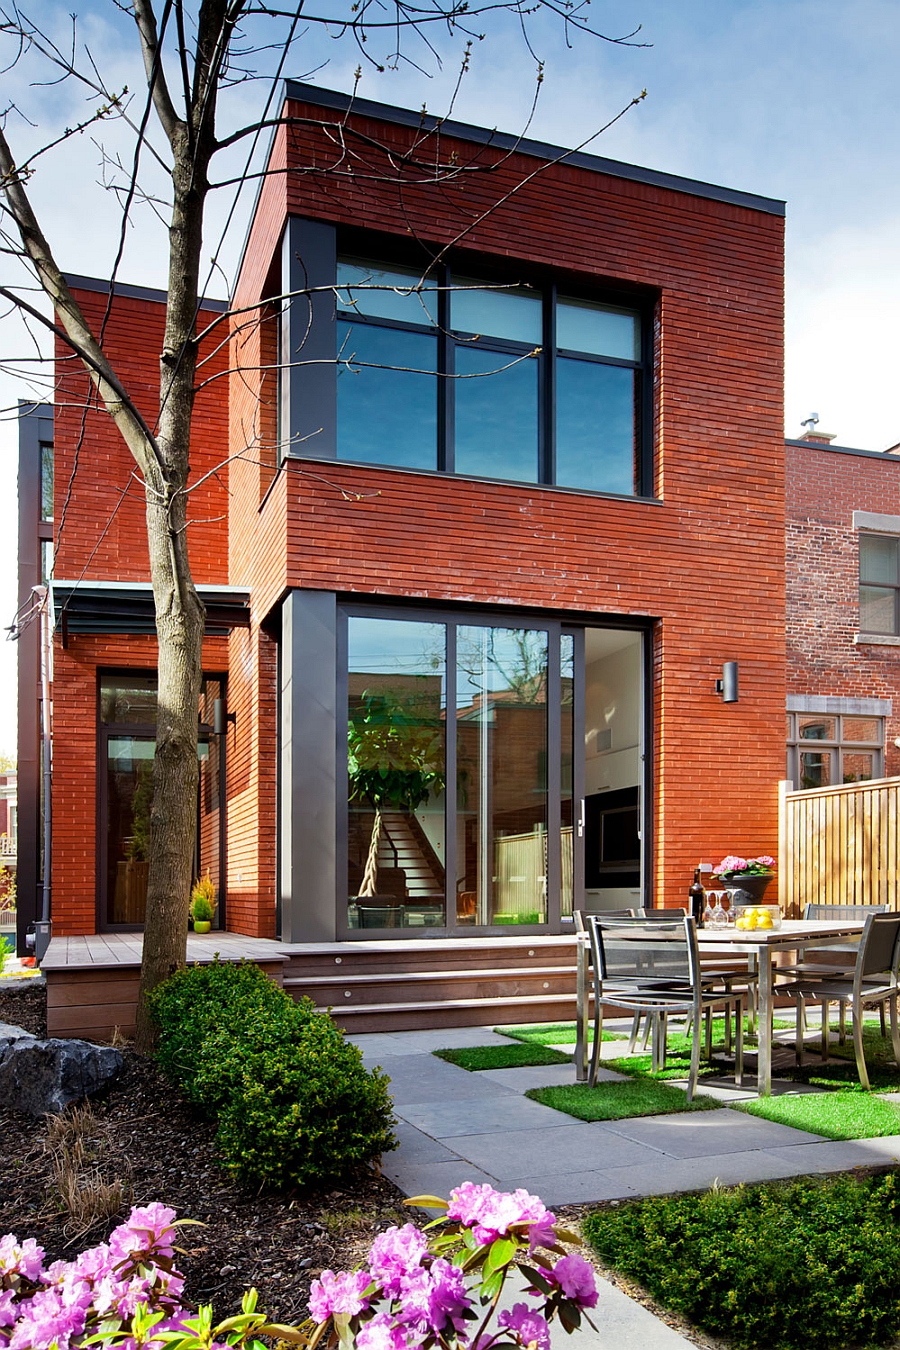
{"x": 749, "y": 918}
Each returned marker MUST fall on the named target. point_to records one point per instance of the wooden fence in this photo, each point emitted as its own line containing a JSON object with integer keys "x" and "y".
{"x": 839, "y": 845}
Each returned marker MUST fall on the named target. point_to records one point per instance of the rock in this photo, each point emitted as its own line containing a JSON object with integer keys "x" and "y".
{"x": 44, "y": 1077}
{"x": 8, "y": 1032}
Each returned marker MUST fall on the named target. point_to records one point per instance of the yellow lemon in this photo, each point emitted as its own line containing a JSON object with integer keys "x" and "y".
{"x": 750, "y": 920}
{"x": 740, "y": 923}
{"x": 764, "y": 921}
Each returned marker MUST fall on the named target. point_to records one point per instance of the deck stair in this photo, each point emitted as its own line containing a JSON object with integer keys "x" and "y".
{"x": 450, "y": 982}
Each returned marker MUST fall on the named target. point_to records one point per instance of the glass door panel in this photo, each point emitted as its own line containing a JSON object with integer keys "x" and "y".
{"x": 129, "y": 796}
{"x": 396, "y": 759}
{"x": 501, "y": 775}
{"x": 567, "y": 774}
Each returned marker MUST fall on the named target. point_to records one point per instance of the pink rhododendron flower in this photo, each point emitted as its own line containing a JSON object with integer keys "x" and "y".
{"x": 532, "y": 1330}
{"x": 575, "y": 1277}
{"x": 490, "y": 1214}
{"x": 341, "y": 1293}
{"x": 8, "y": 1313}
{"x": 394, "y": 1253}
{"x": 20, "y": 1258}
{"x": 148, "y": 1228}
{"x": 382, "y": 1333}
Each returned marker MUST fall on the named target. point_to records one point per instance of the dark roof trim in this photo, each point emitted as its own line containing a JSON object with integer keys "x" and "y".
{"x": 126, "y": 607}
{"x": 136, "y": 292}
{"x": 844, "y": 450}
{"x": 330, "y": 98}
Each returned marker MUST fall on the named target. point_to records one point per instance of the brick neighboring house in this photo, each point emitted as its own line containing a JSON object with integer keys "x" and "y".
{"x": 529, "y": 567}
{"x": 843, "y": 612}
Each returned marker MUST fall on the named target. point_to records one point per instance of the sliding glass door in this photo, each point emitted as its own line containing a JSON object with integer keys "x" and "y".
{"x": 463, "y": 786}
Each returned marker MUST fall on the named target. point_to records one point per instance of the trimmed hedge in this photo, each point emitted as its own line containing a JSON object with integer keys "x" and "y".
{"x": 806, "y": 1265}
{"x": 294, "y": 1103}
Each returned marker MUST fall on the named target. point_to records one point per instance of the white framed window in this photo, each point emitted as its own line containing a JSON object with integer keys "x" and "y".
{"x": 835, "y": 741}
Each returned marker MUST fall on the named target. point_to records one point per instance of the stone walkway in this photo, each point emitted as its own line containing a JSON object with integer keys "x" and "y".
{"x": 456, "y": 1126}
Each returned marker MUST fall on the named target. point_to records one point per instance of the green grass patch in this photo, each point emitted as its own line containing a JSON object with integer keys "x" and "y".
{"x": 836, "y": 1115}
{"x": 619, "y": 1101}
{"x": 477, "y": 1057}
{"x": 550, "y": 1033}
{"x": 806, "y": 1265}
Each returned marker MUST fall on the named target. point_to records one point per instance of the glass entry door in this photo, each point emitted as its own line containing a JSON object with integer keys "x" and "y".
{"x": 464, "y": 774}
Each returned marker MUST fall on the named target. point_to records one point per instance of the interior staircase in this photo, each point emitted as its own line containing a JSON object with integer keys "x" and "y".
{"x": 404, "y": 844}
{"x": 440, "y": 982}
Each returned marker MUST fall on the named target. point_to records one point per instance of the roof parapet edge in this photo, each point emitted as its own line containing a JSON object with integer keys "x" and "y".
{"x": 843, "y": 450}
{"x": 331, "y": 98}
{"x": 136, "y": 292}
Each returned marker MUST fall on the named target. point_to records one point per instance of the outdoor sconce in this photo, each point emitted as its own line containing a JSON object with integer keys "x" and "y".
{"x": 221, "y": 717}
{"x": 728, "y": 685}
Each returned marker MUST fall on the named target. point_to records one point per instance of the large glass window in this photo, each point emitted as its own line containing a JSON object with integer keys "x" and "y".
{"x": 879, "y": 584}
{"x": 825, "y": 750}
{"x": 468, "y": 376}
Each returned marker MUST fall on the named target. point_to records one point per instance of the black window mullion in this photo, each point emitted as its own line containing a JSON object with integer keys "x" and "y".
{"x": 547, "y": 407}
{"x": 643, "y": 410}
{"x": 446, "y": 381}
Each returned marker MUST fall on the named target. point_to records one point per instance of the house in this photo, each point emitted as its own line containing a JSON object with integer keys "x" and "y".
{"x": 843, "y": 612}
{"x": 487, "y": 503}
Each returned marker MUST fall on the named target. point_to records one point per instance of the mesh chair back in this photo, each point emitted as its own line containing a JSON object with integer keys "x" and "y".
{"x": 662, "y": 915}
{"x": 840, "y": 912}
{"x": 878, "y": 946}
{"x": 635, "y": 953}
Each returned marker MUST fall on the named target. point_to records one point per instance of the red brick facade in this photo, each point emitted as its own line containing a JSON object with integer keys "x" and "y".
{"x": 702, "y": 560}
{"x": 825, "y": 486}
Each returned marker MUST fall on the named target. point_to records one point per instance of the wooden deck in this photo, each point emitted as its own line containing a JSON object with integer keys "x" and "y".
{"x": 370, "y": 985}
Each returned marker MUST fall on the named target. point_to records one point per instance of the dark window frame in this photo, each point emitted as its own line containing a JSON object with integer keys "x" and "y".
{"x": 834, "y": 748}
{"x": 449, "y": 340}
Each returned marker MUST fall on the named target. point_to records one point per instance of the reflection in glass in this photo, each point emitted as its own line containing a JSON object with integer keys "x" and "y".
{"x": 817, "y": 728}
{"x": 128, "y": 700}
{"x": 567, "y": 788}
{"x": 501, "y": 701}
{"x": 387, "y": 408}
{"x": 129, "y": 797}
{"x": 514, "y": 314}
{"x": 396, "y": 773}
{"x": 496, "y": 415}
{"x": 865, "y": 729}
{"x": 585, "y": 327}
{"x": 385, "y": 293}
{"x": 595, "y": 426}
{"x": 815, "y": 770}
{"x": 857, "y": 766}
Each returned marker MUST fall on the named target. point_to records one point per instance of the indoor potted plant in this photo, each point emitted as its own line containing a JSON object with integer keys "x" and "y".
{"x": 748, "y": 876}
{"x": 203, "y": 903}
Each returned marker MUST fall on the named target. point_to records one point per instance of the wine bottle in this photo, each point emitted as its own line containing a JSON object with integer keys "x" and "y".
{"x": 697, "y": 898}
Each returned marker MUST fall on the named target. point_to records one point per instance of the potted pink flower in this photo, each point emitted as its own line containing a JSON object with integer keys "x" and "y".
{"x": 748, "y": 876}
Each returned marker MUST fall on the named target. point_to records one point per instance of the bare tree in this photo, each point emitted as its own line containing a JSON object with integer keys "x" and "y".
{"x": 191, "y": 53}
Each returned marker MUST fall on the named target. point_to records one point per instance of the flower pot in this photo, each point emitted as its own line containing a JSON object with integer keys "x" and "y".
{"x": 202, "y": 925}
{"x": 749, "y": 889}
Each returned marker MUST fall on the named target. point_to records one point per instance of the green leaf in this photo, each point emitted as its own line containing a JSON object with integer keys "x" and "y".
{"x": 491, "y": 1287}
{"x": 536, "y": 1280}
{"x": 501, "y": 1252}
{"x": 427, "y": 1202}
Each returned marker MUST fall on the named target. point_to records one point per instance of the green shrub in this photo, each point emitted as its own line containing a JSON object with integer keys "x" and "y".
{"x": 294, "y": 1103}
{"x": 806, "y": 1265}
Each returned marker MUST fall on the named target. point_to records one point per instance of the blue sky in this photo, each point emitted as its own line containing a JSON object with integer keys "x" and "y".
{"x": 796, "y": 99}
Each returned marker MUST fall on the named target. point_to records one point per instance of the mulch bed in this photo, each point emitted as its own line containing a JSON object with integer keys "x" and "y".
{"x": 163, "y": 1150}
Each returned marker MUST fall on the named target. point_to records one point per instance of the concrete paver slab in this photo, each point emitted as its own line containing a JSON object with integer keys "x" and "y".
{"x": 547, "y": 1075}
{"x": 422, "y": 1078}
{"x": 505, "y": 1113}
{"x": 417, "y": 1147}
{"x": 568, "y": 1149}
{"x": 664, "y": 1175}
{"x": 696, "y": 1134}
{"x": 839, "y": 1155}
{"x": 573, "y": 1188}
{"x": 423, "y": 1042}
{"x": 433, "y": 1178}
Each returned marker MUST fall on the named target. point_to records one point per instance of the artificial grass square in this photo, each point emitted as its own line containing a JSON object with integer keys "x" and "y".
{"x": 619, "y": 1101}
{"x": 845, "y": 1114}
{"x": 550, "y": 1033}
{"x": 478, "y": 1057}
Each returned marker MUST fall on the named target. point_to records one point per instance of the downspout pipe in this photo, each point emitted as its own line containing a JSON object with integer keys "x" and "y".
{"x": 42, "y": 926}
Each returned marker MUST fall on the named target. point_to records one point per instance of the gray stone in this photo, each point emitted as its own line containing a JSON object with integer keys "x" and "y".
{"x": 9, "y": 1032}
{"x": 44, "y": 1077}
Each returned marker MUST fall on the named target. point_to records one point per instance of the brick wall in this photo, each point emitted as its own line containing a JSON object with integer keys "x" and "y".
{"x": 824, "y": 488}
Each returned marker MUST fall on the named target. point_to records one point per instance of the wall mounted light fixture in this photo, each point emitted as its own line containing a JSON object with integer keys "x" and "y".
{"x": 728, "y": 685}
{"x": 221, "y": 717}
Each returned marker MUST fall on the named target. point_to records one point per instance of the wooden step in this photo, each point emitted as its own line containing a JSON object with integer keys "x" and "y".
{"x": 428, "y": 986}
{"x": 363, "y": 1018}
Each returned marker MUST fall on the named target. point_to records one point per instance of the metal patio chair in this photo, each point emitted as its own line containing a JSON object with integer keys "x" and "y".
{"x": 653, "y": 968}
{"x": 837, "y": 969}
{"x": 874, "y": 981}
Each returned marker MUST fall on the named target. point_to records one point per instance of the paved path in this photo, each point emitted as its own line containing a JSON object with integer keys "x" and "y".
{"x": 456, "y": 1126}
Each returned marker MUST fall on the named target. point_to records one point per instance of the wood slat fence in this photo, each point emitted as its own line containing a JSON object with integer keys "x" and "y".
{"x": 839, "y": 845}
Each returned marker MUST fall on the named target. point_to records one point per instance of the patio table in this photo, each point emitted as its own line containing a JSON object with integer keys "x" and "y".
{"x": 760, "y": 945}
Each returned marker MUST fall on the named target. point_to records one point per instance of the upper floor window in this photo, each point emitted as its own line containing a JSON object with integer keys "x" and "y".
{"x": 465, "y": 375}
{"x": 879, "y": 584}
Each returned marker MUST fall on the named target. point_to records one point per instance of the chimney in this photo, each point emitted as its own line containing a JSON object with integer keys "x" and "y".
{"x": 812, "y": 434}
